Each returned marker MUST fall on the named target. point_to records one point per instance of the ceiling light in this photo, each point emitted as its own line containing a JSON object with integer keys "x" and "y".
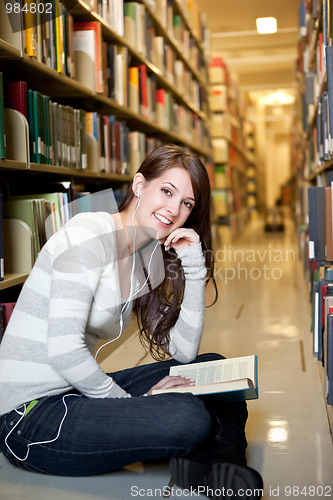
{"x": 266, "y": 25}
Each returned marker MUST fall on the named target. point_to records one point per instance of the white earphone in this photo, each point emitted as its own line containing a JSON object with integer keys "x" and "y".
{"x": 138, "y": 190}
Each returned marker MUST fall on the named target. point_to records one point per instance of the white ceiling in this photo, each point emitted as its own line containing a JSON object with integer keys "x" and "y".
{"x": 258, "y": 61}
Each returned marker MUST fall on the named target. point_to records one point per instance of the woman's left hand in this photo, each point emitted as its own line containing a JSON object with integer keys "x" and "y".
{"x": 181, "y": 238}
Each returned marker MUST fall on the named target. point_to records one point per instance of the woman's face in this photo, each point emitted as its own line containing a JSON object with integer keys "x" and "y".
{"x": 165, "y": 202}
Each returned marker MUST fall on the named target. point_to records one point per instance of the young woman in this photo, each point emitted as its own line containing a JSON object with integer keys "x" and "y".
{"x": 59, "y": 412}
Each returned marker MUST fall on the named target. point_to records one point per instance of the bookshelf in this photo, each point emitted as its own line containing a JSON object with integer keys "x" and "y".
{"x": 312, "y": 156}
{"x": 251, "y": 171}
{"x": 229, "y": 149}
{"x": 179, "y": 74}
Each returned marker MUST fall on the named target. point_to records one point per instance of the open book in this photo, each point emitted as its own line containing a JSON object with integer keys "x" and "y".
{"x": 233, "y": 379}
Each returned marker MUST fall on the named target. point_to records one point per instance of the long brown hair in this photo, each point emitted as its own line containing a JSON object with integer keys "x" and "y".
{"x": 157, "y": 311}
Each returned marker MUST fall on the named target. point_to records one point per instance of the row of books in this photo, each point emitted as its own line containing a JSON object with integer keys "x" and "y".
{"x": 189, "y": 11}
{"x": 6, "y": 309}
{"x": 2, "y": 270}
{"x": 318, "y": 112}
{"x": 227, "y": 202}
{"x": 117, "y": 149}
{"x": 59, "y": 134}
{"x": 77, "y": 49}
{"x": 29, "y": 220}
{"x": 106, "y": 68}
{"x": 315, "y": 61}
{"x": 224, "y": 151}
{"x": 322, "y": 324}
{"x": 2, "y": 121}
{"x": 170, "y": 14}
{"x": 320, "y": 255}
{"x": 315, "y": 65}
{"x": 139, "y": 32}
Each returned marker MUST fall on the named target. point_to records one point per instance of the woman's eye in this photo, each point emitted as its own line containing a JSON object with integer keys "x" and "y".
{"x": 188, "y": 204}
{"x": 166, "y": 191}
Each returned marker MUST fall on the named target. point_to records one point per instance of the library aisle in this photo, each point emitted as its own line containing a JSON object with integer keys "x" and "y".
{"x": 263, "y": 309}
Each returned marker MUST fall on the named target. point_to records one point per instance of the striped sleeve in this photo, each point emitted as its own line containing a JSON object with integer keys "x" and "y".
{"x": 186, "y": 334}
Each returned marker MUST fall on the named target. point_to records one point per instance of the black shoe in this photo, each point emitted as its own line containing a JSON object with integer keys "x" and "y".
{"x": 219, "y": 480}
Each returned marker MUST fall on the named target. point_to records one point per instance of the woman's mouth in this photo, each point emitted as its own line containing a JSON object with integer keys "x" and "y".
{"x": 163, "y": 220}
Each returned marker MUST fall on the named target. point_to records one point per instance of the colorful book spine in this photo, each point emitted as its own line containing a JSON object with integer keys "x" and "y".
{"x": 2, "y": 122}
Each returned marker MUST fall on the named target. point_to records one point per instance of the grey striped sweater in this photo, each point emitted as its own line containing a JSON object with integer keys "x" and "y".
{"x": 71, "y": 299}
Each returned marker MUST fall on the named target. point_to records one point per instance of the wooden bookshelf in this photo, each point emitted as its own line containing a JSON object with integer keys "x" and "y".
{"x": 313, "y": 148}
{"x": 229, "y": 151}
{"x": 67, "y": 91}
{"x": 12, "y": 279}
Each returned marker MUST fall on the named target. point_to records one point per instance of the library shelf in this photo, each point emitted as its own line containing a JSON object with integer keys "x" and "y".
{"x": 12, "y": 279}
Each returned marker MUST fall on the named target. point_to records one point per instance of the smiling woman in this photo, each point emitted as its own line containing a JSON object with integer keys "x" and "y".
{"x": 93, "y": 422}
{"x": 174, "y": 193}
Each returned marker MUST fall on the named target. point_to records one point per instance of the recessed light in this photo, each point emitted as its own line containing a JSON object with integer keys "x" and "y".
{"x": 266, "y": 25}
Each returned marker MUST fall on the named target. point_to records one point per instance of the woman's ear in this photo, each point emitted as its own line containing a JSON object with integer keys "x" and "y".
{"x": 138, "y": 181}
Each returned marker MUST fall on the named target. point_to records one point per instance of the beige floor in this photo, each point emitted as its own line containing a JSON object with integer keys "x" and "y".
{"x": 263, "y": 308}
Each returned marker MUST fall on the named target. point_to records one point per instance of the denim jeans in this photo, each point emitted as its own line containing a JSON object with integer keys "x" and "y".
{"x": 101, "y": 435}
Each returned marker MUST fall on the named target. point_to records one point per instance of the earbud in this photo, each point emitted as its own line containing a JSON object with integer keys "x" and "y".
{"x": 138, "y": 190}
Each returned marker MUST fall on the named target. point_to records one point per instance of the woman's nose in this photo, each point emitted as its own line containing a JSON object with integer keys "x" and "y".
{"x": 173, "y": 207}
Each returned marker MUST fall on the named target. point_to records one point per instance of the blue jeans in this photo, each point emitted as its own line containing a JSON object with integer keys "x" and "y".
{"x": 101, "y": 435}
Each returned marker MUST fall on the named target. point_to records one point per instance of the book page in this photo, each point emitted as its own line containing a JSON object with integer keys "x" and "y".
{"x": 218, "y": 371}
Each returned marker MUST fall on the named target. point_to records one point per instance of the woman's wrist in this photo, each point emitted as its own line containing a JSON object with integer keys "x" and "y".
{"x": 193, "y": 261}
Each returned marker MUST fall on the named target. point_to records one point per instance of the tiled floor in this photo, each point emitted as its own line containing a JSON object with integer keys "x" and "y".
{"x": 263, "y": 308}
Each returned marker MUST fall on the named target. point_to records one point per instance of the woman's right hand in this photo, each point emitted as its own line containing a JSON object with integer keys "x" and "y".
{"x": 170, "y": 381}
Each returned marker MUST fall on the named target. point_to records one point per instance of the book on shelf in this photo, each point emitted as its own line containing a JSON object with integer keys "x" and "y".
{"x": 327, "y": 307}
{"x": 88, "y": 56}
{"x": 315, "y": 318}
{"x": 328, "y": 224}
{"x": 18, "y": 246}
{"x": 134, "y": 89}
{"x": 322, "y": 279}
{"x": 2, "y": 321}
{"x": 130, "y": 23}
{"x": 27, "y": 211}
{"x": 16, "y": 96}
{"x": 2, "y": 270}
{"x": 12, "y": 28}
{"x": 160, "y": 107}
{"x": 145, "y": 110}
{"x": 2, "y": 121}
{"x": 43, "y": 213}
{"x": 233, "y": 379}
{"x": 134, "y": 26}
{"x": 6, "y": 309}
{"x": 329, "y": 366}
{"x": 317, "y": 216}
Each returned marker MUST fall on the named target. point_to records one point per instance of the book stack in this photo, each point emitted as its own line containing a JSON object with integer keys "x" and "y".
{"x": 6, "y": 309}
{"x": 229, "y": 150}
{"x": 2, "y": 121}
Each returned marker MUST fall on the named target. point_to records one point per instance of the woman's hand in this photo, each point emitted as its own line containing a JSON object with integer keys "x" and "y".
{"x": 181, "y": 238}
{"x": 170, "y": 381}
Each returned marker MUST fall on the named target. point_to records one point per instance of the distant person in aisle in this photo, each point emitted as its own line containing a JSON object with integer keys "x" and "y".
{"x": 60, "y": 413}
